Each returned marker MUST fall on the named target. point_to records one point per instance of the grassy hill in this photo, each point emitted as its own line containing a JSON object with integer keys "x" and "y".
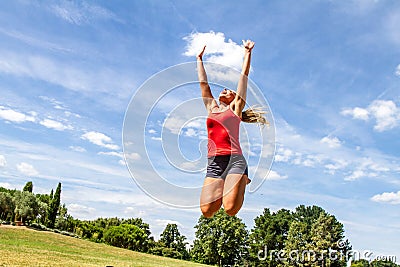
{"x": 20, "y": 246}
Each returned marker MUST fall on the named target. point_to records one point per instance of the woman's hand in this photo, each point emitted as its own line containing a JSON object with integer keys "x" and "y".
{"x": 200, "y": 55}
{"x": 248, "y": 45}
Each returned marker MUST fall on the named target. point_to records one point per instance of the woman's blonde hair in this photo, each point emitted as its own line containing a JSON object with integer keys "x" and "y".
{"x": 255, "y": 115}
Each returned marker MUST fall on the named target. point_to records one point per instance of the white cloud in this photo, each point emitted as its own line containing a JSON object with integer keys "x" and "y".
{"x": 349, "y": 163}
{"x": 130, "y": 156}
{"x": 3, "y": 161}
{"x": 312, "y": 160}
{"x": 55, "y": 125}
{"x": 196, "y": 123}
{"x": 378, "y": 168}
{"x": 273, "y": 175}
{"x": 265, "y": 173}
{"x": 100, "y": 139}
{"x": 27, "y": 169}
{"x": 332, "y": 142}
{"x": 112, "y": 153}
{"x": 190, "y": 132}
{"x": 355, "y": 175}
{"x": 81, "y": 211}
{"x": 134, "y": 212}
{"x": 80, "y": 13}
{"x": 192, "y": 166}
{"x": 385, "y": 112}
{"x": 76, "y": 76}
{"x": 398, "y": 70}
{"x": 14, "y": 116}
{"x": 133, "y": 156}
{"x": 218, "y": 50}
{"x": 174, "y": 124}
{"x": 366, "y": 167}
{"x": 220, "y": 73}
{"x": 283, "y": 155}
{"x": 77, "y": 148}
{"x": 187, "y": 127}
{"x": 55, "y": 103}
{"x": 268, "y": 151}
{"x": 5, "y": 185}
{"x": 357, "y": 113}
{"x": 19, "y": 117}
{"x": 161, "y": 222}
{"x": 308, "y": 159}
{"x": 387, "y": 197}
{"x": 336, "y": 165}
{"x": 195, "y": 128}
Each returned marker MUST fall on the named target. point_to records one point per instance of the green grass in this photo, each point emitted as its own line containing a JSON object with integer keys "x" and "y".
{"x": 25, "y": 247}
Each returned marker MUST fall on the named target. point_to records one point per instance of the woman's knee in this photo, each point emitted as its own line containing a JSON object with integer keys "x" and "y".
{"x": 231, "y": 208}
{"x": 208, "y": 213}
{"x": 210, "y": 209}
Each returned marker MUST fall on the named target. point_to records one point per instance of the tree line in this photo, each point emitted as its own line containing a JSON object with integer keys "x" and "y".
{"x": 307, "y": 236}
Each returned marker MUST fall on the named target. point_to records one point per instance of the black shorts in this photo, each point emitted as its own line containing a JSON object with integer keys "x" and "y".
{"x": 221, "y": 166}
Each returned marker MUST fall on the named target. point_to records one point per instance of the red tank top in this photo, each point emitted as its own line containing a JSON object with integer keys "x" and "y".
{"x": 223, "y": 133}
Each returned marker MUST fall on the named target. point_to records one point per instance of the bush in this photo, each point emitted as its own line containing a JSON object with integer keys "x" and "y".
{"x": 127, "y": 236}
{"x": 68, "y": 234}
{"x": 38, "y": 226}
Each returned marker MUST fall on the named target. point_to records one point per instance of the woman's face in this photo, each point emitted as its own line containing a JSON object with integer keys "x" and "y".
{"x": 226, "y": 96}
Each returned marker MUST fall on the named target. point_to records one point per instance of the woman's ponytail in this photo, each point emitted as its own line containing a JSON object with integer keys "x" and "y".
{"x": 254, "y": 115}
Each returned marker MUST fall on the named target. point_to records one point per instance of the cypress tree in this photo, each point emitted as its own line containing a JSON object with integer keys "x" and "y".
{"x": 28, "y": 187}
{"x": 54, "y": 206}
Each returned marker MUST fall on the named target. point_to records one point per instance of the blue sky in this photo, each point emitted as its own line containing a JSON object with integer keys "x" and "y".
{"x": 330, "y": 71}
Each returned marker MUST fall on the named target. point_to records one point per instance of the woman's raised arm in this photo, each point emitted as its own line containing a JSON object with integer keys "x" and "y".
{"x": 208, "y": 98}
{"x": 241, "y": 92}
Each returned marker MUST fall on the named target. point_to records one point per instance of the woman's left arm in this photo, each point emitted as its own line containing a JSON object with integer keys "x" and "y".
{"x": 241, "y": 92}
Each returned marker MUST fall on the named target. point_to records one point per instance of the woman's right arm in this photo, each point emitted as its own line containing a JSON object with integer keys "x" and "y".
{"x": 208, "y": 98}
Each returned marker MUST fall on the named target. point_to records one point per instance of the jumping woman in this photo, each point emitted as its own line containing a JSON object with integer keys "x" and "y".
{"x": 227, "y": 171}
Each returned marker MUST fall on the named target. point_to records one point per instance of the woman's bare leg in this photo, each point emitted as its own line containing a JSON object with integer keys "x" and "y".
{"x": 211, "y": 196}
{"x": 233, "y": 195}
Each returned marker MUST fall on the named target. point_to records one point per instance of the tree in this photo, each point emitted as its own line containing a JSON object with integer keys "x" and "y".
{"x": 26, "y": 206}
{"x": 62, "y": 218}
{"x": 42, "y": 212}
{"x": 327, "y": 235}
{"x": 7, "y": 206}
{"x": 127, "y": 236}
{"x": 172, "y": 239}
{"x": 44, "y": 203}
{"x": 383, "y": 263}
{"x": 313, "y": 238}
{"x": 53, "y": 207}
{"x": 269, "y": 234}
{"x": 296, "y": 244}
{"x": 139, "y": 223}
{"x": 160, "y": 249}
{"x": 308, "y": 215}
{"x": 28, "y": 187}
{"x": 360, "y": 263}
{"x": 221, "y": 240}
